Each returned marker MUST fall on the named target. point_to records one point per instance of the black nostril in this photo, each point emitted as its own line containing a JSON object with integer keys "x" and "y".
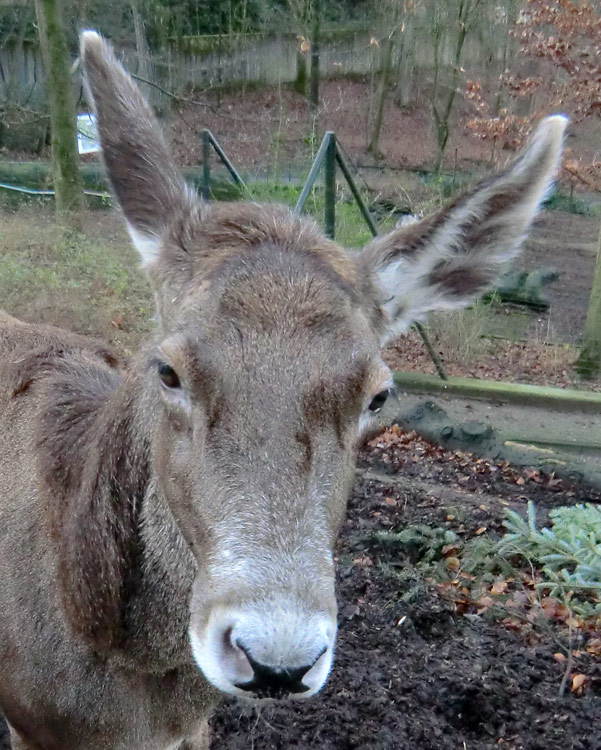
{"x": 274, "y": 682}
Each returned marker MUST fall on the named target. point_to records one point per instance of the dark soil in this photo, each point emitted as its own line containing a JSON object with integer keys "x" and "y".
{"x": 568, "y": 242}
{"x": 410, "y": 671}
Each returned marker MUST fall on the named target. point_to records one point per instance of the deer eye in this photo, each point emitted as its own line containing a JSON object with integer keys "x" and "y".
{"x": 168, "y": 376}
{"x": 378, "y": 401}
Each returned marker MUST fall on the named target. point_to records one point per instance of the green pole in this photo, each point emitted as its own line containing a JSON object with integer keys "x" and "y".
{"x": 313, "y": 172}
{"x": 226, "y": 162}
{"x": 330, "y": 186}
{"x": 442, "y": 373}
{"x": 206, "y": 164}
{"x": 356, "y": 194}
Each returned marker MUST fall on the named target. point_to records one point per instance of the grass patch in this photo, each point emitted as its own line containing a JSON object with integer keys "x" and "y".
{"x": 462, "y": 332}
{"x": 88, "y": 282}
{"x": 566, "y": 200}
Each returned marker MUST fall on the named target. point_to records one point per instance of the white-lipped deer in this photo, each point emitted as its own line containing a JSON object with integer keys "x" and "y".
{"x": 166, "y": 529}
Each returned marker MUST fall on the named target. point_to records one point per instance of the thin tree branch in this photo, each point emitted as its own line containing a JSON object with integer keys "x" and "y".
{"x": 198, "y": 103}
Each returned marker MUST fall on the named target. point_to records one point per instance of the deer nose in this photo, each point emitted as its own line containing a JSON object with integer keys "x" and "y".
{"x": 246, "y": 653}
{"x": 274, "y": 682}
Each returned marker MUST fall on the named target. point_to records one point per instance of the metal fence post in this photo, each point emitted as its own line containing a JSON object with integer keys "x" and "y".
{"x": 226, "y": 162}
{"x": 354, "y": 190}
{"x": 313, "y": 172}
{"x": 206, "y": 164}
{"x": 330, "y": 186}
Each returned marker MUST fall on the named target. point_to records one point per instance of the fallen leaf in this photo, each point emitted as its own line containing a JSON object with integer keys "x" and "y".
{"x": 484, "y": 603}
{"x": 498, "y": 587}
{"x": 559, "y": 657}
{"x": 578, "y": 681}
{"x": 448, "y": 548}
{"x": 594, "y": 646}
{"x": 481, "y": 530}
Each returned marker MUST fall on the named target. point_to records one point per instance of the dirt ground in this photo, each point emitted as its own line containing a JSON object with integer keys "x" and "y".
{"x": 569, "y": 243}
{"x": 272, "y": 128}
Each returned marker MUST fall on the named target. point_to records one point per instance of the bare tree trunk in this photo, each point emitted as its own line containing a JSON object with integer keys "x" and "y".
{"x": 589, "y": 361}
{"x": 63, "y": 123}
{"x": 405, "y": 75}
{"x": 143, "y": 52}
{"x": 300, "y": 82}
{"x": 315, "y": 42}
{"x": 442, "y": 114}
{"x": 388, "y": 51}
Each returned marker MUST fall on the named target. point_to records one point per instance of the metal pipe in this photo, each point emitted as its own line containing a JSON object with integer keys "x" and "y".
{"x": 228, "y": 164}
{"x": 355, "y": 191}
{"x": 206, "y": 164}
{"x": 330, "y": 188}
{"x": 313, "y": 172}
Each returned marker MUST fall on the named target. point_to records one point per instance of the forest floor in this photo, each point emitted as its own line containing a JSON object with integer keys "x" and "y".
{"x": 271, "y": 129}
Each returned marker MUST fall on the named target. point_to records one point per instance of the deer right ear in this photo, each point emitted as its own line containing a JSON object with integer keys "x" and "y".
{"x": 141, "y": 170}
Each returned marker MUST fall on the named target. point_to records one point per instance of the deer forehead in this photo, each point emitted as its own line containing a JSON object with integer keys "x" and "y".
{"x": 268, "y": 304}
{"x": 259, "y": 265}
{"x": 210, "y": 234}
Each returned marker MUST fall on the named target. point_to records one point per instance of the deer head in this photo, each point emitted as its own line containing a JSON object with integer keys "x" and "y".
{"x": 267, "y": 368}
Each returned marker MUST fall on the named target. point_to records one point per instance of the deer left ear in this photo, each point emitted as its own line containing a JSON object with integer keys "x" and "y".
{"x": 448, "y": 260}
